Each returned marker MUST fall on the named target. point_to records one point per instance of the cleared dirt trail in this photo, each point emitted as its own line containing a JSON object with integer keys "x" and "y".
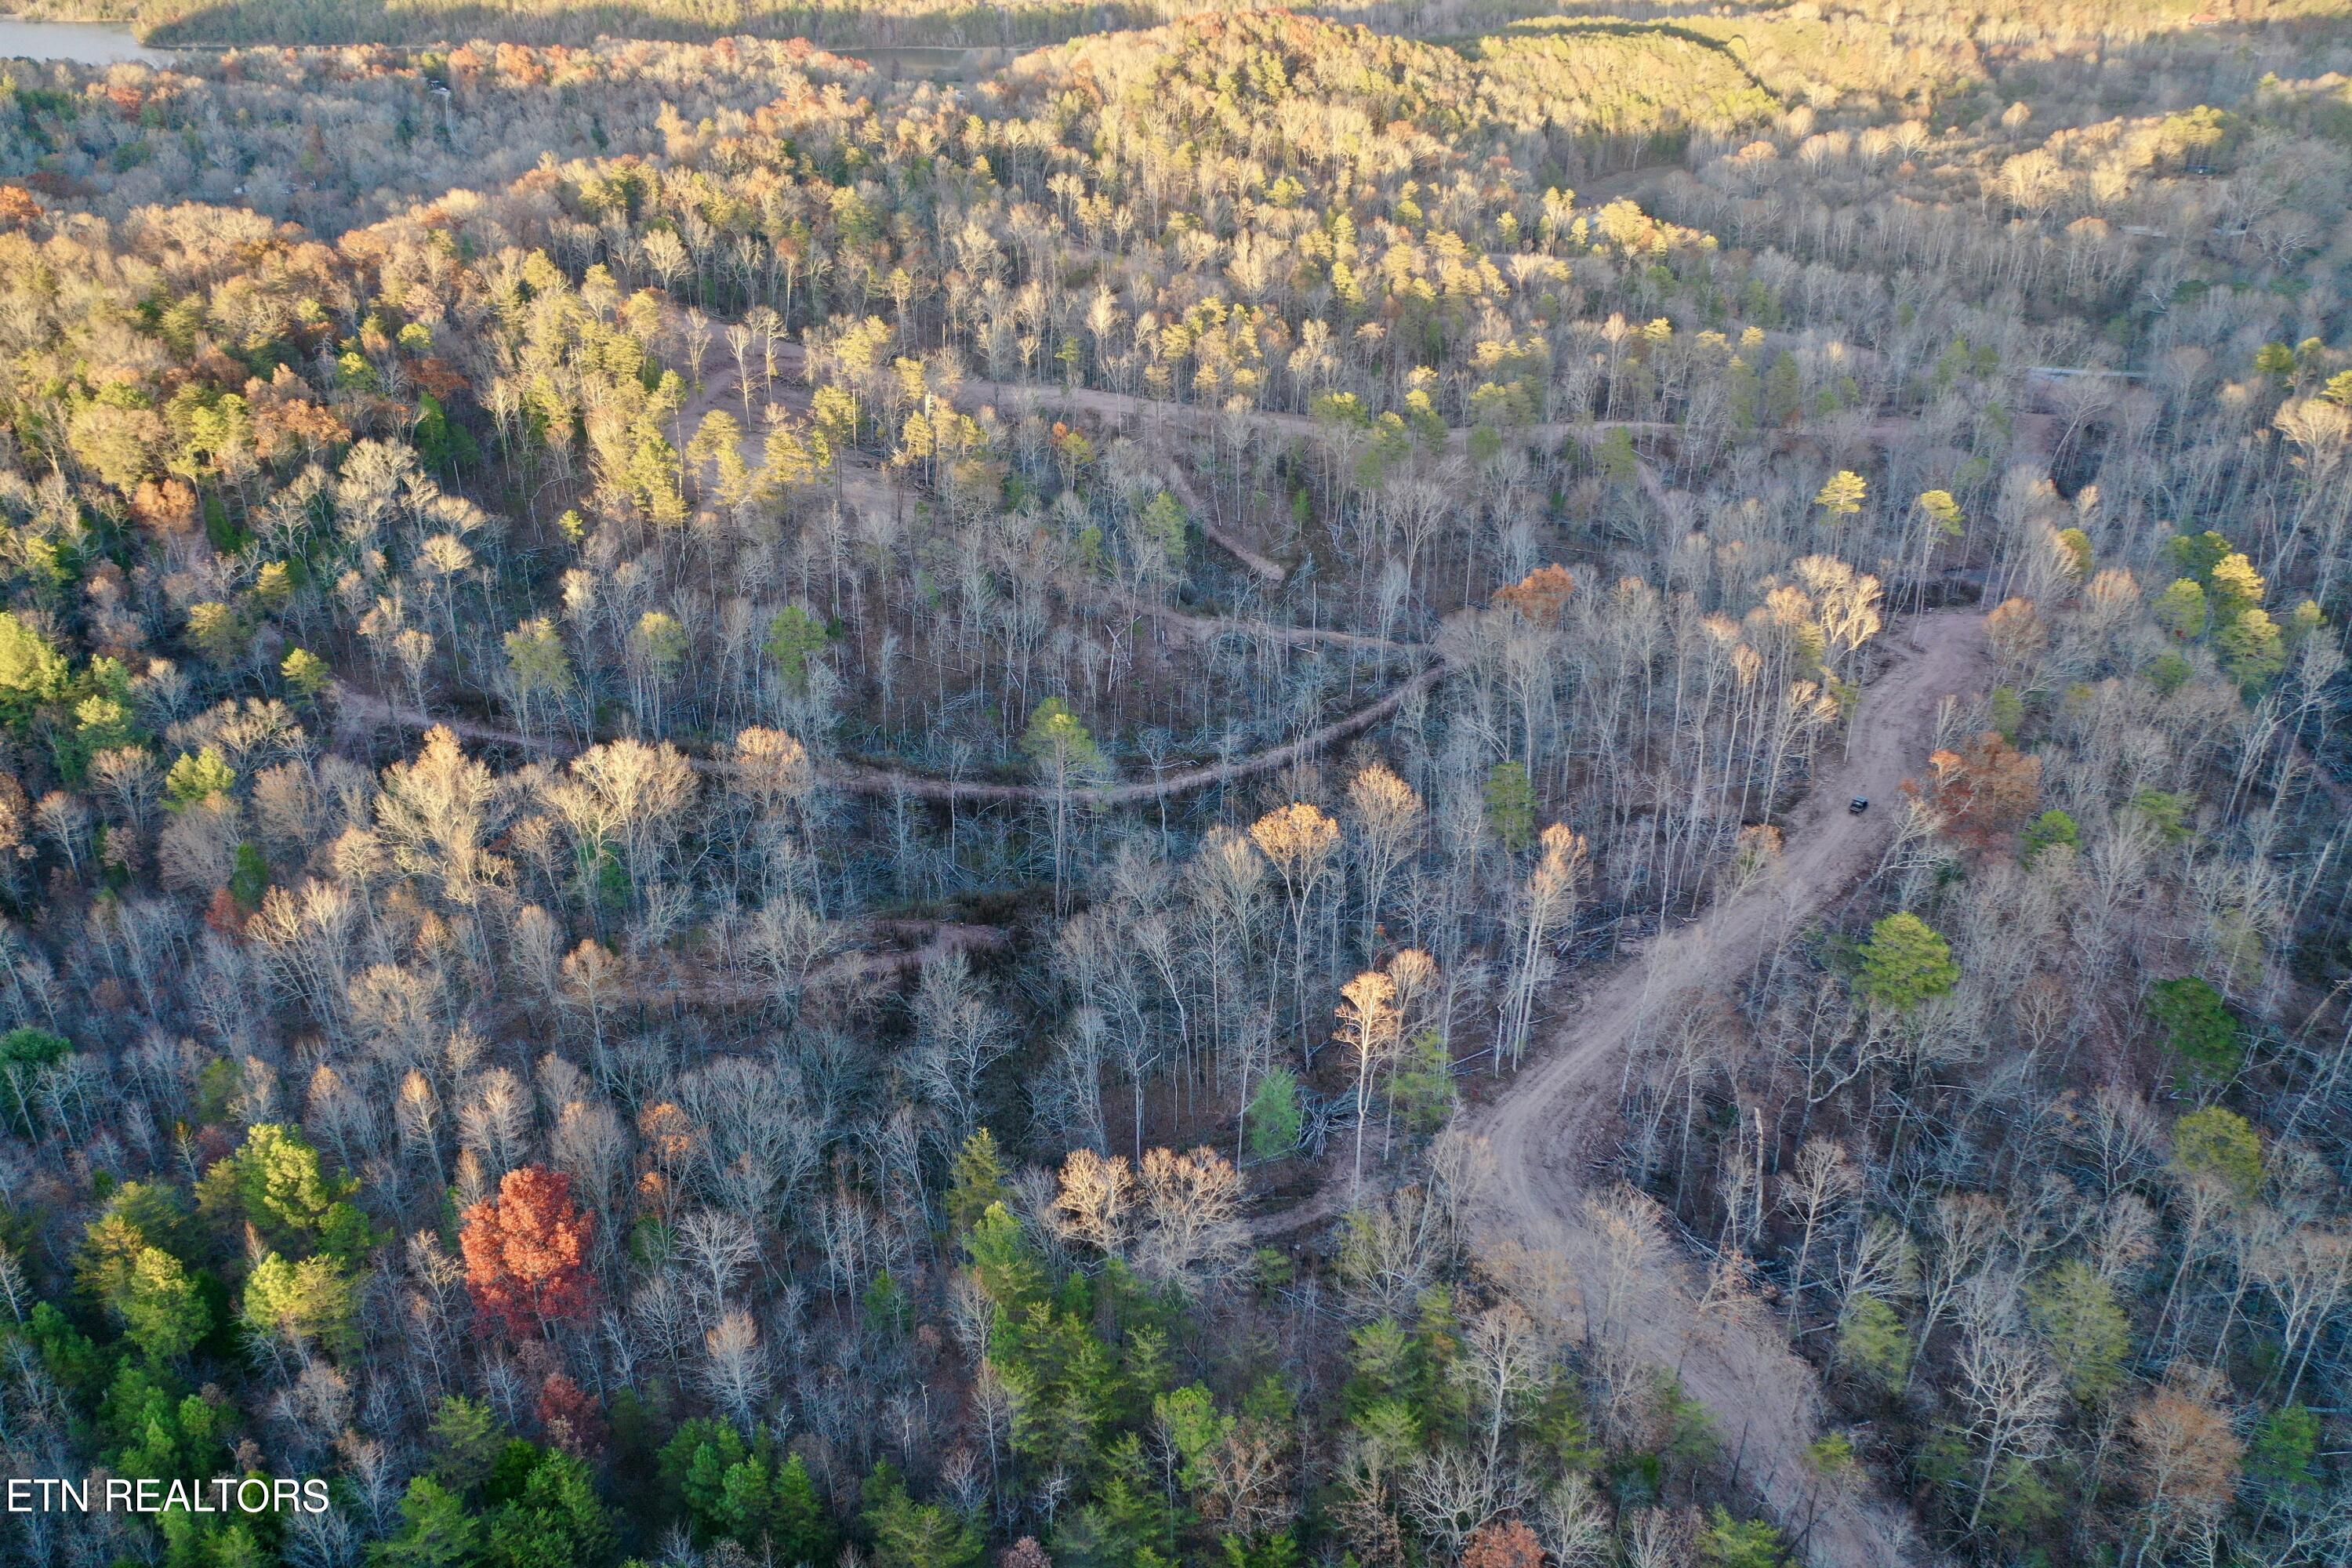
{"x": 1547, "y": 1125}
{"x": 1048, "y": 396}
{"x": 360, "y": 709}
{"x": 868, "y": 489}
{"x": 1557, "y": 1116}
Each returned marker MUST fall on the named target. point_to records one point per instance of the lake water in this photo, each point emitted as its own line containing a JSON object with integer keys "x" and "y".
{"x": 85, "y": 43}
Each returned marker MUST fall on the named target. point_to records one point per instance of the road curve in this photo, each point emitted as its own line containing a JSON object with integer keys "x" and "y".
{"x": 358, "y": 709}
{"x": 1548, "y": 1122}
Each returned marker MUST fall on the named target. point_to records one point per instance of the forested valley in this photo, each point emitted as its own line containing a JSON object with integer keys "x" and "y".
{"x": 1420, "y": 786}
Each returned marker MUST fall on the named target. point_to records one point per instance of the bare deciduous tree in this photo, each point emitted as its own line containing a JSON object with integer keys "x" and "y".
{"x": 1191, "y": 1216}
{"x": 1371, "y": 1027}
{"x": 1822, "y": 1181}
{"x": 735, "y": 1371}
{"x": 2011, "y": 1398}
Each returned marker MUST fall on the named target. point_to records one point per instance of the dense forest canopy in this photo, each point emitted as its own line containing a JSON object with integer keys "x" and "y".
{"x": 1095, "y": 810}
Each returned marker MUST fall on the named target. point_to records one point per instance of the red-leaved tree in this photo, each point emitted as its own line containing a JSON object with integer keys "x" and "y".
{"x": 570, "y": 1415}
{"x": 527, "y": 1253}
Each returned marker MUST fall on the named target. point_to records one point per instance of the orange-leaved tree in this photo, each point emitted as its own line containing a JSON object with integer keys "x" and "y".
{"x": 1986, "y": 788}
{"x": 1541, "y": 596}
{"x": 527, "y": 1252}
{"x": 1503, "y": 1543}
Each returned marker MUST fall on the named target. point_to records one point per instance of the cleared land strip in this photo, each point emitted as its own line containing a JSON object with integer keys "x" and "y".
{"x": 360, "y": 706}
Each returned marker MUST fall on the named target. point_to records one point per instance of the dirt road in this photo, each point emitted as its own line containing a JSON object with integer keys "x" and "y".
{"x": 1559, "y": 1115}
{"x": 359, "y": 710}
{"x": 868, "y": 489}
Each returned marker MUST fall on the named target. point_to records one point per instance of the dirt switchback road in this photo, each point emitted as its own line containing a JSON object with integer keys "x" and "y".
{"x": 1558, "y": 1116}
{"x": 358, "y": 709}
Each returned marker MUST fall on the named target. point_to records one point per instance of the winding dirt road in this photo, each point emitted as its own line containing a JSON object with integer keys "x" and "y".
{"x": 1560, "y": 1115}
{"x": 868, "y": 489}
{"x": 358, "y": 708}
{"x": 861, "y": 485}
{"x": 1549, "y": 1123}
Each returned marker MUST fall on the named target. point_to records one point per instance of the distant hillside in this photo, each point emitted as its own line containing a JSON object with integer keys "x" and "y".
{"x": 1849, "y": 46}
